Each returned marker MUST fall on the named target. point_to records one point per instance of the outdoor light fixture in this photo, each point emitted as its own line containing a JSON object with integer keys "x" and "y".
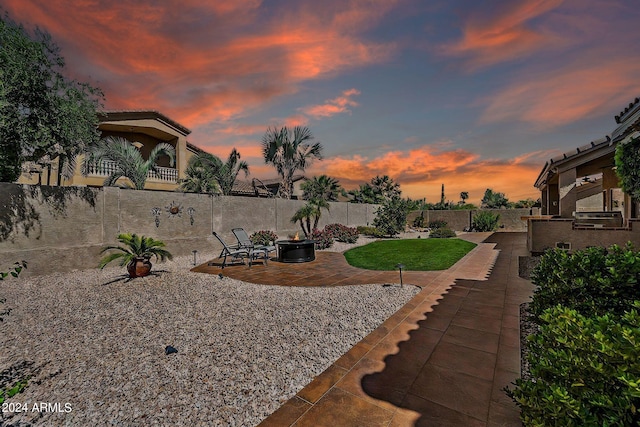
{"x": 400, "y": 267}
{"x": 195, "y": 253}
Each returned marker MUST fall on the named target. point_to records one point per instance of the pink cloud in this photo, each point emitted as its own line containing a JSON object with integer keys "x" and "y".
{"x": 504, "y": 34}
{"x": 213, "y": 61}
{"x": 333, "y": 106}
{"x": 558, "y": 97}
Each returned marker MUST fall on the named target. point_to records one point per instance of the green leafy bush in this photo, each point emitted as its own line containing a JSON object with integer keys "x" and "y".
{"x": 263, "y": 237}
{"x": 342, "y": 233}
{"x": 438, "y": 223}
{"x": 485, "y": 221}
{"x": 585, "y": 371}
{"x": 369, "y": 231}
{"x": 391, "y": 217}
{"x": 323, "y": 238}
{"x": 594, "y": 281}
{"x": 442, "y": 233}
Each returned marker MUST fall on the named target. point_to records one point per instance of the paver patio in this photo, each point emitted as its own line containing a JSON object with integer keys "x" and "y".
{"x": 441, "y": 360}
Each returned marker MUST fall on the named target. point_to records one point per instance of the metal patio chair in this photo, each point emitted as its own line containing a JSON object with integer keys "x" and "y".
{"x": 256, "y": 251}
{"x": 236, "y": 253}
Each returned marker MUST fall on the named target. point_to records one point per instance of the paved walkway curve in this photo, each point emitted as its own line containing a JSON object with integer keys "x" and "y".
{"x": 441, "y": 360}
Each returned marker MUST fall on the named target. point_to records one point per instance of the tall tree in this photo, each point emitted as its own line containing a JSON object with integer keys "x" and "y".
{"x": 378, "y": 190}
{"x": 385, "y": 187}
{"x": 464, "y": 195}
{"x": 127, "y": 160}
{"x": 289, "y": 151}
{"x": 494, "y": 200}
{"x": 321, "y": 187}
{"x": 43, "y": 114}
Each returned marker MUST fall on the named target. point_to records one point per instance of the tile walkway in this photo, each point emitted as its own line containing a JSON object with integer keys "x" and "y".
{"x": 441, "y": 360}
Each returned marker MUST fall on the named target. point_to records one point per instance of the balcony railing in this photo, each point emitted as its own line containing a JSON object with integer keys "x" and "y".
{"x": 107, "y": 167}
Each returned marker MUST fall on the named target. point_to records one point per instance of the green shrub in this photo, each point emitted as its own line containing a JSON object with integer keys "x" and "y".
{"x": 391, "y": 217}
{"x": 594, "y": 281}
{"x": 369, "y": 231}
{"x": 438, "y": 223}
{"x": 585, "y": 371}
{"x": 418, "y": 222}
{"x": 263, "y": 237}
{"x": 323, "y": 238}
{"x": 342, "y": 233}
{"x": 442, "y": 233}
{"x": 485, "y": 221}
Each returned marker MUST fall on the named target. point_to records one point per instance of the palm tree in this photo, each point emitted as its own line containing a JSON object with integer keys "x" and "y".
{"x": 464, "y": 195}
{"x": 201, "y": 174}
{"x": 289, "y": 151}
{"x": 313, "y": 209}
{"x": 207, "y": 174}
{"x": 229, "y": 171}
{"x": 321, "y": 187}
{"x": 128, "y": 161}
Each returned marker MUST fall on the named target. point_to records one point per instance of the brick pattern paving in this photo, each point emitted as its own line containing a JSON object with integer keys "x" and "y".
{"x": 441, "y": 360}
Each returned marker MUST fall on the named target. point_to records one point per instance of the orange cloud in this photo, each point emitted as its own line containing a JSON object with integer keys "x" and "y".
{"x": 422, "y": 171}
{"x": 333, "y": 106}
{"x": 504, "y": 34}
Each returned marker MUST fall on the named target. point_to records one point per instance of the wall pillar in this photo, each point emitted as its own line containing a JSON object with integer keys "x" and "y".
{"x": 568, "y": 192}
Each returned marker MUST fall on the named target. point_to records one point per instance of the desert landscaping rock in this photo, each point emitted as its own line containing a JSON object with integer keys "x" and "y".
{"x": 93, "y": 341}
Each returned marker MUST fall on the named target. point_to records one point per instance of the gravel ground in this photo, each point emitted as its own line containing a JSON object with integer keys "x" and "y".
{"x": 93, "y": 345}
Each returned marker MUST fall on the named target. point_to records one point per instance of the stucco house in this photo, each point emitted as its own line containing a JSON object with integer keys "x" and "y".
{"x": 145, "y": 128}
{"x": 582, "y": 202}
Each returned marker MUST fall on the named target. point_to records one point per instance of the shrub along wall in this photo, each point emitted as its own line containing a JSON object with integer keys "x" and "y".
{"x": 64, "y": 228}
{"x": 510, "y": 219}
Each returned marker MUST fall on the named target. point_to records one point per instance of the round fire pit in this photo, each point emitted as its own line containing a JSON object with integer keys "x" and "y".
{"x": 296, "y": 250}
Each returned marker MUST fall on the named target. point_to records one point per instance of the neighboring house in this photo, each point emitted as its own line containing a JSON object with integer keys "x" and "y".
{"x": 267, "y": 187}
{"x": 583, "y": 182}
{"x": 148, "y": 128}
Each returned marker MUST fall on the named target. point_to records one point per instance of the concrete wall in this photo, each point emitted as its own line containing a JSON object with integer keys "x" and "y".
{"x": 510, "y": 219}
{"x": 64, "y": 228}
{"x": 543, "y": 234}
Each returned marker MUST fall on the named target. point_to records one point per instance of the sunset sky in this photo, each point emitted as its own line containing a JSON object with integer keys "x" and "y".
{"x": 469, "y": 94}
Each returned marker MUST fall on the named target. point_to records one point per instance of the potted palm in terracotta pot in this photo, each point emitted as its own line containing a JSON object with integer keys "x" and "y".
{"x": 135, "y": 253}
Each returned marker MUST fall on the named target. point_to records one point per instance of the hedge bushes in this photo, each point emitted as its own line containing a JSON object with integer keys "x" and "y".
{"x": 442, "y": 233}
{"x": 585, "y": 360}
{"x": 485, "y": 221}
{"x": 594, "y": 281}
{"x": 585, "y": 370}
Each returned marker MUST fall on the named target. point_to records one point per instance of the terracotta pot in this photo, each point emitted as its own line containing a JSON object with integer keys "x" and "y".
{"x": 139, "y": 267}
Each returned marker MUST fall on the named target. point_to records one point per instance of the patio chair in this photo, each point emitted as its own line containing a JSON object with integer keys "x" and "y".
{"x": 256, "y": 251}
{"x": 236, "y": 253}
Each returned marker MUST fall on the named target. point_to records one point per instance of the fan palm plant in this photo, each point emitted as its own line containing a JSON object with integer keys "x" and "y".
{"x": 206, "y": 173}
{"x": 321, "y": 187}
{"x": 135, "y": 252}
{"x": 229, "y": 171}
{"x": 201, "y": 172}
{"x": 311, "y": 210}
{"x": 128, "y": 161}
{"x": 289, "y": 151}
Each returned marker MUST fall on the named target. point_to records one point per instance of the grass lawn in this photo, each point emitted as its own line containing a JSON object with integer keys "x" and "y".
{"x": 415, "y": 254}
